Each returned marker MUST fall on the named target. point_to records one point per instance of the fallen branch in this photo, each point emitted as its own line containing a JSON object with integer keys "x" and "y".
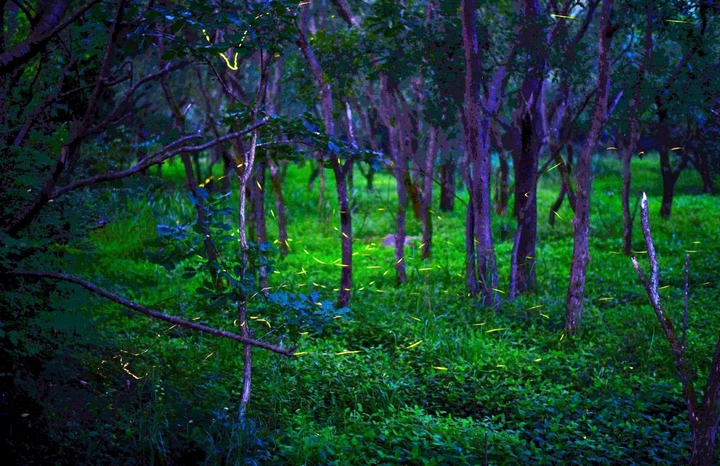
{"x": 152, "y": 313}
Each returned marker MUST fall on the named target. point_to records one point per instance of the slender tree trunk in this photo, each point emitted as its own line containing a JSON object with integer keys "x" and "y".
{"x": 401, "y": 172}
{"x": 628, "y": 143}
{"x": 339, "y": 170}
{"x": 257, "y": 193}
{"x": 210, "y": 251}
{"x": 581, "y": 222}
{"x": 477, "y": 153}
{"x": 627, "y": 217}
{"x": 702, "y": 165}
{"x": 397, "y": 130}
{"x": 277, "y": 176}
{"x": 502, "y": 193}
{"x": 525, "y": 157}
{"x": 471, "y": 278}
{"x": 525, "y": 208}
{"x": 447, "y": 186}
{"x": 427, "y": 196}
{"x": 669, "y": 179}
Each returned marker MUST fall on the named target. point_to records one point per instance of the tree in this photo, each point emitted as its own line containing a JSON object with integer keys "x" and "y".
{"x": 481, "y": 267}
{"x": 703, "y": 409}
{"x": 84, "y": 94}
{"x": 340, "y": 169}
{"x": 581, "y": 221}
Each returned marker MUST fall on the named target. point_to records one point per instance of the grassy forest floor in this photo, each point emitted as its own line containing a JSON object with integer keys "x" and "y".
{"x": 418, "y": 374}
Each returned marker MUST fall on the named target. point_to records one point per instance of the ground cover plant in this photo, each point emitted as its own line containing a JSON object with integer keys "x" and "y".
{"x": 359, "y": 232}
{"x": 418, "y": 374}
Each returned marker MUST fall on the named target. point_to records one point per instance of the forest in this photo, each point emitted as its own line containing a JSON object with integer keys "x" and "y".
{"x": 335, "y": 232}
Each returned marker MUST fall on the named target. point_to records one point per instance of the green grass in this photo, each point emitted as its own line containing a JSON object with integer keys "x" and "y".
{"x": 419, "y": 374}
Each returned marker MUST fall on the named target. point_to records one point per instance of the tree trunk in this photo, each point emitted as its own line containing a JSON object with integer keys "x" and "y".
{"x": 525, "y": 168}
{"x": 702, "y": 164}
{"x": 502, "y": 184}
{"x": 476, "y": 135}
{"x": 669, "y": 179}
{"x": 210, "y": 252}
{"x": 525, "y": 156}
{"x": 581, "y": 222}
{"x": 394, "y": 122}
{"x": 471, "y": 279}
{"x": 277, "y": 176}
{"x": 340, "y": 172}
{"x": 401, "y": 172}
{"x": 427, "y": 195}
{"x": 704, "y": 439}
{"x": 627, "y": 217}
{"x": 257, "y": 193}
{"x": 447, "y": 186}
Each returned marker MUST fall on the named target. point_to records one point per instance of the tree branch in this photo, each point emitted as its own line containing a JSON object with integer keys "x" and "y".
{"x": 49, "y": 28}
{"x": 152, "y": 313}
{"x": 157, "y": 158}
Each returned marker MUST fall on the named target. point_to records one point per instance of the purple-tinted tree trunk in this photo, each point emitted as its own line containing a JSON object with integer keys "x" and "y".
{"x": 581, "y": 222}
{"x": 476, "y": 132}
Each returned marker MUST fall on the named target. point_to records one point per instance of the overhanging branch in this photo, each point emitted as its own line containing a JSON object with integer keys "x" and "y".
{"x": 152, "y": 313}
{"x": 157, "y": 158}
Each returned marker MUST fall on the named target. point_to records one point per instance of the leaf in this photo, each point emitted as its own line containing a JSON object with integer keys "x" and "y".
{"x": 202, "y": 193}
{"x": 333, "y": 148}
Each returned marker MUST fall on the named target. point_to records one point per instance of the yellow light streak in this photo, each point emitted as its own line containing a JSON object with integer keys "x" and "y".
{"x": 417, "y": 343}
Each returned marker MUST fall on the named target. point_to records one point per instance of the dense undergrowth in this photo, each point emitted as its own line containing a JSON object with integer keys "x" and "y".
{"x": 419, "y": 374}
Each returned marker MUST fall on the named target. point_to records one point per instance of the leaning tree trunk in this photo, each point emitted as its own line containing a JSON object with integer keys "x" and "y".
{"x": 581, "y": 221}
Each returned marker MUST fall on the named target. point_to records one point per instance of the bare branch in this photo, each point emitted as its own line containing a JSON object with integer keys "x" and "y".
{"x": 651, "y": 288}
{"x": 152, "y": 313}
{"x": 157, "y": 158}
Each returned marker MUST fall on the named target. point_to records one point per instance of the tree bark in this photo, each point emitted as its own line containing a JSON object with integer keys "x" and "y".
{"x": 581, "y": 221}
{"x": 447, "y": 186}
{"x": 277, "y": 176}
{"x": 257, "y": 195}
{"x": 669, "y": 179}
{"x": 340, "y": 170}
{"x": 528, "y": 122}
{"x": 481, "y": 253}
